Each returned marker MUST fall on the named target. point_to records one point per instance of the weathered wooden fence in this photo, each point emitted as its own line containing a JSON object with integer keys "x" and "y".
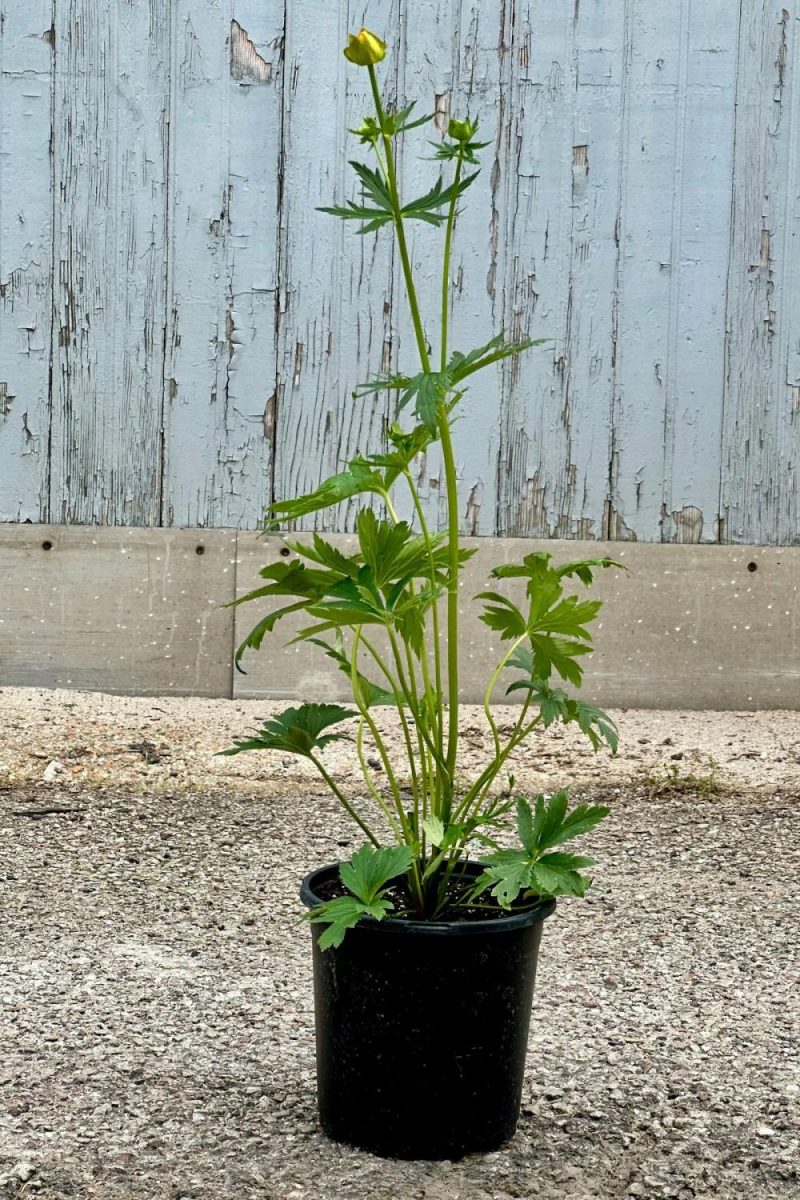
{"x": 180, "y": 330}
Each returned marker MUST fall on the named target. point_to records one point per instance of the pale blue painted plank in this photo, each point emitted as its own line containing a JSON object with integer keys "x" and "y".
{"x": 535, "y": 222}
{"x": 698, "y": 274}
{"x": 761, "y": 427}
{"x": 226, "y": 157}
{"x": 652, "y": 149}
{"x": 110, "y": 150}
{"x": 26, "y": 50}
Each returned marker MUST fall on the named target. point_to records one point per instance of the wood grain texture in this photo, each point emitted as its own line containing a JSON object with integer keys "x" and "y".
{"x": 761, "y": 426}
{"x": 181, "y": 331}
{"x": 674, "y": 229}
{"x": 110, "y": 148}
{"x": 225, "y": 163}
{"x": 26, "y": 240}
{"x": 556, "y": 224}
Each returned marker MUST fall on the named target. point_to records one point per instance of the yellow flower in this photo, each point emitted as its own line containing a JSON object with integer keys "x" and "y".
{"x": 364, "y": 48}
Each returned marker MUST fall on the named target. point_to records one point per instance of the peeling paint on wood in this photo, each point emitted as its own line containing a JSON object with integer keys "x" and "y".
{"x": 181, "y": 331}
{"x": 247, "y": 65}
{"x": 760, "y": 434}
{"x": 26, "y": 239}
{"x": 110, "y": 164}
{"x": 222, "y": 293}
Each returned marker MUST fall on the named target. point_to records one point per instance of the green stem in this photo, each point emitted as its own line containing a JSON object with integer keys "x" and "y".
{"x": 419, "y": 333}
{"x": 490, "y": 773}
{"x": 452, "y": 501}
{"x": 452, "y": 590}
{"x": 447, "y": 452}
{"x": 373, "y": 728}
{"x": 437, "y": 654}
{"x": 423, "y": 657}
{"x": 448, "y": 239}
{"x": 492, "y": 685}
{"x": 351, "y": 812}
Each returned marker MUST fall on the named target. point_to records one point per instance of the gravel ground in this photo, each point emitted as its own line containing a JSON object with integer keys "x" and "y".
{"x": 155, "y": 993}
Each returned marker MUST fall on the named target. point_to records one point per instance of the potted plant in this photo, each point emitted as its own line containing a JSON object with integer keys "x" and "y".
{"x": 426, "y": 940}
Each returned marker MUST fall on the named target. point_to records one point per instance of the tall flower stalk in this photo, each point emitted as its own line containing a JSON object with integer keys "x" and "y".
{"x": 375, "y": 612}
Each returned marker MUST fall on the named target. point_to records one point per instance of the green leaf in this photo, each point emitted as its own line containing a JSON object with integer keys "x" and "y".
{"x": 582, "y": 819}
{"x": 297, "y": 730}
{"x": 502, "y": 615}
{"x": 426, "y": 208}
{"x": 397, "y": 122}
{"x": 467, "y": 150}
{"x": 370, "y": 869}
{"x": 596, "y": 724}
{"x": 525, "y": 825}
{"x": 342, "y": 914}
{"x": 461, "y": 366}
{"x": 434, "y": 830}
{"x": 327, "y": 555}
{"x": 287, "y": 579}
{"x": 554, "y": 809}
{"x": 508, "y": 874}
{"x": 427, "y": 391}
{"x": 553, "y": 653}
{"x": 584, "y": 568}
{"x": 552, "y": 881}
{"x": 566, "y": 862}
{"x": 360, "y": 478}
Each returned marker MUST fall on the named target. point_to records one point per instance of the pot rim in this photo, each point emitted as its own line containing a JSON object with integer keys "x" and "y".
{"x": 404, "y": 928}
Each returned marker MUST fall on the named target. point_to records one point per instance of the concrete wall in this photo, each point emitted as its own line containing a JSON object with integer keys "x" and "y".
{"x": 180, "y": 330}
{"x": 140, "y": 611}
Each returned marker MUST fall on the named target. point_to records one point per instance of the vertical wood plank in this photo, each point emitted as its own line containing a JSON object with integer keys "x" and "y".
{"x": 650, "y": 204}
{"x": 563, "y": 256}
{"x": 335, "y": 285}
{"x": 761, "y": 428}
{"x": 450, "y": 66}
{"x": 698, "y": 275}
{"x": 533, "y": 217}
{"x": 26, "y": 62}
{"x": 226, "y": 154}
{"x": 111, "y": 144}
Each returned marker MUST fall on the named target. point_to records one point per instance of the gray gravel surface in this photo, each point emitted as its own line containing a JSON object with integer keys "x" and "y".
{"x": 155, "y": 990}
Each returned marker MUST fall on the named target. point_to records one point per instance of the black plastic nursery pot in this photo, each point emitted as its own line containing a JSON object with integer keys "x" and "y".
{"x": 422, "y": 1030}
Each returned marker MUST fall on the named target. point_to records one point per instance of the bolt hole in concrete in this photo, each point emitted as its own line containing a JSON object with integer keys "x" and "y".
{"x": 47, "y": 545}
{"x": 286, "y": 552}
{"x": 200, "y": 550}
{"x": 751, "y": 566}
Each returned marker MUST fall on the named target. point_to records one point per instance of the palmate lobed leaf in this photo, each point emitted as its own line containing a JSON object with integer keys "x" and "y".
{"x": 371, "y": 869}
{"x": 297, "y": 730}
{"x": 342, "y": 914}
{"x": 535, "y": 869}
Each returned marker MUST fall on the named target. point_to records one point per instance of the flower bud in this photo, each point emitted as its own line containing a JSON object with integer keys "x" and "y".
{"x": 461, "y": 131}
{"x": 364, "y": 48}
